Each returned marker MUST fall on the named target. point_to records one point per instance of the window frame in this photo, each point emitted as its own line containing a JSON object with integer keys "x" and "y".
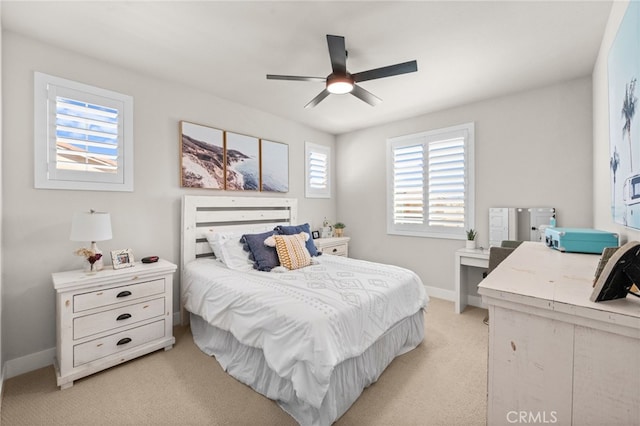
{"x": 424, "y": 138}
{"x": 46, "y": 175}
{"x": 309, "y": 191}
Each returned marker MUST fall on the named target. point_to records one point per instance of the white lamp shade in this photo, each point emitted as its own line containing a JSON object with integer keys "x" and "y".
{"x": 91, "y": 226}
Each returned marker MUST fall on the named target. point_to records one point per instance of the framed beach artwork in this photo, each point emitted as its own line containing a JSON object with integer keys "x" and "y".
{"x": 202, "y": 156}
{"x": 624, "y": 126}
{"x": 242, "y": 162}
{"x": 274, "y": 166}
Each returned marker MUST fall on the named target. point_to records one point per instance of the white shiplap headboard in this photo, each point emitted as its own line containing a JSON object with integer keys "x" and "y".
{"x": 200, "y": 213}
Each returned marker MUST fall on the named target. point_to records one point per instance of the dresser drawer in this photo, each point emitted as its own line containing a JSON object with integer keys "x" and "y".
{"x": 338, "y": 250}
{"x": 119, "y": 317}
{"x": 96, "y": 299}
{"x": 99, "y": 348}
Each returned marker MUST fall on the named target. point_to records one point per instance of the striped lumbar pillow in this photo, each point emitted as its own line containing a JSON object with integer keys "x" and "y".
{"x": 291, "y": 249}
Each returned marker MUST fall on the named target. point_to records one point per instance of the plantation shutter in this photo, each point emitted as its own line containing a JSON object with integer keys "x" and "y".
{"x": 430, "y": 188}
{"x": 317, "y": 171}
{"x": 83, "y": 136}
{"x": 408, "y": 184}
{"x": 446, "y": 183}
{"x": 86, "y": 136}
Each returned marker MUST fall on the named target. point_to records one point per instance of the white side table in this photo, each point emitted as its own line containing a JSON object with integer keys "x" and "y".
{"x": 111, "y": 317}
{"x": 476, "y": 258}
{"x": 338, "y": 246}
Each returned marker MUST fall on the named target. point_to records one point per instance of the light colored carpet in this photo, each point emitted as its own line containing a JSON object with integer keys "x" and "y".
{"x": 442, "y": 382}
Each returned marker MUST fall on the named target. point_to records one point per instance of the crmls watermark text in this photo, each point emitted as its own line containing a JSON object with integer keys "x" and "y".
{"x": 532, "y": 417}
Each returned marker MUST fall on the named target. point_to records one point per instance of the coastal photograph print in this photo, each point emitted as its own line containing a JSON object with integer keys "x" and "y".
{"x": 274, "y": 166}
{"x": 624, "y": 123}
{"x": 242, "y": 162}
{"x": 202, "y": 156}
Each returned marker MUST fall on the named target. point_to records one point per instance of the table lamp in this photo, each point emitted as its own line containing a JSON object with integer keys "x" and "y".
{"x": 91, "y": 226}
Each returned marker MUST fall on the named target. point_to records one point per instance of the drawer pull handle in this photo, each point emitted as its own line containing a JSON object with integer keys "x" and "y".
{"x": 335, "y": 250}
{"x": 124, "y": 294}
{"x": 124, "y": 341}
{"x": 123, "y": 317}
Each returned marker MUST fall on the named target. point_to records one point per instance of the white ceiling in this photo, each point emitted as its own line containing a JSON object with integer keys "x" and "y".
{"x": 466, "y": 51}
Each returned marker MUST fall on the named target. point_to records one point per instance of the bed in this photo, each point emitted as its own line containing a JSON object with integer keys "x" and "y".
{"x": 310, "y": 338}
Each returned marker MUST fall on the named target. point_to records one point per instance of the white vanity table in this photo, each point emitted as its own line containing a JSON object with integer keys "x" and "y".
{"x": 467, "y": 258}
{"x": 554, "y": 354}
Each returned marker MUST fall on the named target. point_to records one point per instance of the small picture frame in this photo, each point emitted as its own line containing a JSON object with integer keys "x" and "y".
{"x": 315, "y": 234}
{"x": 122, "y": 258}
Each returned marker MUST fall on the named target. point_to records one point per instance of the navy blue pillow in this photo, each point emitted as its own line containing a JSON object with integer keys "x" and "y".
{"x": 264, "y": 258}
{"x": 292, "y": 230}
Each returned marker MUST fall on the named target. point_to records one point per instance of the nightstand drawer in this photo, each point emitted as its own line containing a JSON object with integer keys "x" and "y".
{"x": 338, "y": 250}
{"x": 124, "y": 316}
{"x": 99, "y": 348}
{"x": 96, "y": 299}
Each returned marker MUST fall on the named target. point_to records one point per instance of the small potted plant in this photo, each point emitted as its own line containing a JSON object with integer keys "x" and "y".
{"x": 471, "y": 238}
{"x": 338, "y": 228}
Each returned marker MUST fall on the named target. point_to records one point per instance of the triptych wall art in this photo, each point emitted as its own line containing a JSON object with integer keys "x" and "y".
{"x": 217, "y": 159}
{"x": 624, "y": 125}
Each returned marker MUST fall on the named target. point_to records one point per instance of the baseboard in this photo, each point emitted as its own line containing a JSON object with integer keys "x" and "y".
{"x": 17, "y": 366}
{"x": 440, "y": 293}
{"x": 450, "y": 295}
{"x": 2, "y": 376}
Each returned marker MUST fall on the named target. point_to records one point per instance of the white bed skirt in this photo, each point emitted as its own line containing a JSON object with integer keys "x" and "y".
{"x": 348, "y": 379}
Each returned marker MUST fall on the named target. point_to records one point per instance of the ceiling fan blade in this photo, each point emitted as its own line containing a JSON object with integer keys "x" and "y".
{"x": 295, "y": 78}
{"x": 338, "y": 54}
{"x": 366, "y": 96}
{"x": 389, "y": 71}
{"x": 315, "y": 101}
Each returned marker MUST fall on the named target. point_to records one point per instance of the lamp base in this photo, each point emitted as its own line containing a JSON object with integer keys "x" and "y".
{"x": 99, "y": 264}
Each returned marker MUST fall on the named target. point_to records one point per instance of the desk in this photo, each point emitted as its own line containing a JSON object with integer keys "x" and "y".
{"x": 477, "y": 258}
{"x": 553, "y": 354}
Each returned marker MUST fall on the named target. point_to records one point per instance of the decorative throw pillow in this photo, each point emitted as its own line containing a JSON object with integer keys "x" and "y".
{"x": 291, "y": 230}
{"x": 265, "y": 258}
{"x": 291, "y": 249}
{"x": 227, "y": 248}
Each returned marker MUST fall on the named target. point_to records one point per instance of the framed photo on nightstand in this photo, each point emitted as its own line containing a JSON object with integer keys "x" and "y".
{"x": 122, "y": 258}
{"x": 315, "y": 235}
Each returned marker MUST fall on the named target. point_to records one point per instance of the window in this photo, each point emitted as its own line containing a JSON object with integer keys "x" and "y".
{"x": 430, "y": 183}
{"x": 83, "y": 136}
{"x": 317, "y": 170}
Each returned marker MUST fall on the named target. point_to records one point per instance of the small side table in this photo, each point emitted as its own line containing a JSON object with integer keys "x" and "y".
{"x": 338, "y": 246}
{"x": 111, "y": 317}
{"x": 476, "y": 258}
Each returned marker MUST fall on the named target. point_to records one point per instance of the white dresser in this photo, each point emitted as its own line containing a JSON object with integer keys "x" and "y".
{"x": 111, "y": 317}
{"x": 554, "y": 356}
{"x": 338, "y": 246}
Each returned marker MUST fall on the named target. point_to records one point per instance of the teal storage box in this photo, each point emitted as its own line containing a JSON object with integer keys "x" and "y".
{"x": 580, "y": 240}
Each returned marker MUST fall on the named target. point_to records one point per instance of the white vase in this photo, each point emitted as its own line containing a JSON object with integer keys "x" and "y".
{"x": 471, "y": 244}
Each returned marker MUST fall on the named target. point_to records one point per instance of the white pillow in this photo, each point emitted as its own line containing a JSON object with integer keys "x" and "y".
{"x": 228, "y": 249}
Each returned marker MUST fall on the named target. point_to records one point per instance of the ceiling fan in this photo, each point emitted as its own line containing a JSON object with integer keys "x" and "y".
{"x": 340, "y": 81}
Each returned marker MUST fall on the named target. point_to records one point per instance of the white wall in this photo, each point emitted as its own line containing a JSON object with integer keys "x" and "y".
{"x": 1, "y": 203}
{"x": 532, "y": 149}
{"x": 37, "y": 222}
{"x": 601, "y": 151}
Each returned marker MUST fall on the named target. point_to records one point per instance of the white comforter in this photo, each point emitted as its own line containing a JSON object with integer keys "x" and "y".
{"x": 305, "y": 321}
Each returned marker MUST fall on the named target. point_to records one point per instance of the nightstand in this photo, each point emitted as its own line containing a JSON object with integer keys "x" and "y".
{"x": 111, "y": 317}
{"x": 338, "y": 246}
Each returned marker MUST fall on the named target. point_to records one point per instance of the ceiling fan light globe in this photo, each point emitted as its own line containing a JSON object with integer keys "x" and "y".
{"x": 339, "y": 85}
